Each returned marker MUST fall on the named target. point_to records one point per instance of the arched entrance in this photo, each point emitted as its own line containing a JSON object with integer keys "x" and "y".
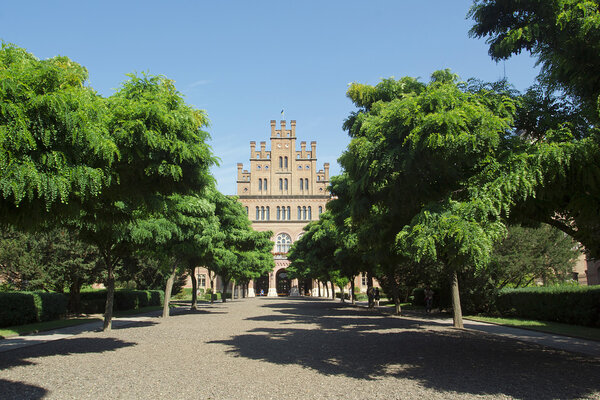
{"x": 282, "y": 283}
{"x": 261, "y": 285}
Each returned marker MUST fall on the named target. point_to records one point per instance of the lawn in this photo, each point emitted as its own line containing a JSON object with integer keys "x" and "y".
{"x": 583, "y": 332}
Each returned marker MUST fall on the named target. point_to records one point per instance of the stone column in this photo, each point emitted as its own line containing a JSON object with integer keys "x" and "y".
{"x": 272, "y": 284}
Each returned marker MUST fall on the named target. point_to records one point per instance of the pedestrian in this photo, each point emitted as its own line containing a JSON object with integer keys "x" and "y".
{"x": 376, "y": 296}
{"x": 428, "y": 293}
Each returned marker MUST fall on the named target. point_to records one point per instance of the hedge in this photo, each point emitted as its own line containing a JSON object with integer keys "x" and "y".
{"x": 18, "y": 308}
{"x": 577, "y": 305}
{"x": 94, "y": 302}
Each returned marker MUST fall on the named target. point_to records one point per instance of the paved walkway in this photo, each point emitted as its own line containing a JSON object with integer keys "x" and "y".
{"x": 295, "y": 348}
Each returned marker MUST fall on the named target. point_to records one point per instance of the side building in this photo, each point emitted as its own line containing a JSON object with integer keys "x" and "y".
{"x": 282, "y": 191}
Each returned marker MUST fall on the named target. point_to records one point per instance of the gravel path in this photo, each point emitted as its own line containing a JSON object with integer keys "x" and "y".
{"x": 294, "y": 348}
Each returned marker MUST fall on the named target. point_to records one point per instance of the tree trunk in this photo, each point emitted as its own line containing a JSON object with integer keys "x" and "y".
{"x": 370, "y": 290}
{"x": 458, "y": 322}
{"x": 194, "y": 289}
{"x": 233, "y": 290}
{"x": 224, "y": 293}
{"x": 212, "y": 287}
{"x": 352, "y": 291}
{"x": 110, "y": 298}
{"x": 75, "y": 296}
{"x": 332, "y": 291}
{"x": 319, "y": 287}
{"x": 168, "y": 289}
{"x": 342, "y": 294}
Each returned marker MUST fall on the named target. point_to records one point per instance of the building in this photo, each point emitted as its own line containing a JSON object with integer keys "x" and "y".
{"x": 282, "y": 191}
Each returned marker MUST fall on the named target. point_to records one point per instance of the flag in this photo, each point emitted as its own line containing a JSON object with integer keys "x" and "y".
{"x": 282, "y": 115}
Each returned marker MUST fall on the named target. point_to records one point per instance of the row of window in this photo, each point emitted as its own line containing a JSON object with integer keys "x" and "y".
{"x": 284, "y": 213}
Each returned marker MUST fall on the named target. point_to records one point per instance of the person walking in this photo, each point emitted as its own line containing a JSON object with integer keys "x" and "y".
{"x": 376, "y": 296}
{"x": 428, "y": 293}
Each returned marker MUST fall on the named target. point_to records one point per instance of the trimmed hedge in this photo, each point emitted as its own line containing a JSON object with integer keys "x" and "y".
{"x": 577, "y": 305}
{"x": 94, "y": 302}
{"x": 18, "y": 308}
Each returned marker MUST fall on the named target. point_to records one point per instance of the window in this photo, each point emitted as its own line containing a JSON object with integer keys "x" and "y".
{"x": 301, "y": 184}
{"x": 303, "y": 212}
{"x": 266, "y": 166}
{"x": 299, "y": 213}
{"x": 259, "y": 184}
{"x": 306, "y": 183}
{"x": 258, "y": 167}
{"x": 309, "y": 213}
{"x": 283, "y": 243}
{"x": 289, "y": 213}
{"x": 268, "y": 213}
{"x": 247, "y": 212}
{"x": 285, "y": 185}
{"x": 202, "y": 280}
{"x": 280, "y": 162}
{"x": 280, "y": 184}
{"x": 299, "y": 166}
{"x": 258, "y": 156}
{"x": 257, "y": 213}
{"x": 285, "y": 163}
{"x": 363, "y": 280}
{"x": 307, "y": 167}
{"x": 278, "y": 213}
{"x": 320, "y": 210}
{"x": 265, "y": 183}
{"x": 262, "y": 213}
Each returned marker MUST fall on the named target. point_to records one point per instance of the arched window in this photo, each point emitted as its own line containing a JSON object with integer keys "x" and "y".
{"x": 247, "y": 212}
{"x": 285, "y": 162}
{"x": 320, "y": 210}
{"x": 283, "y": 243}
{"x": 309, "y": 213}
{"x": 257, "y": 213}
{"x": 280, "y": 162}
{"x": 265, "y": 186}
{"x": 299, "y": 213}
{"x": 280, "y": 184}
{"x": 278, "y": 213}
{"x": 262, "y": 213}
{"x": 289, "y": 210}
{"x": 259, "y": 184}
{"x": 285, "y": 185}
{"x": 303, "y": 212}
{"x": 306, "y": 183}
{"x": 268, "y": 213}
{"x": 301, "y": 184}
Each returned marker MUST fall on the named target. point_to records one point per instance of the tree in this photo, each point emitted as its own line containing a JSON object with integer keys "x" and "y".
{"x": 55, "y": 148}
{"x": 162, "y": 153}
{"x": 415, "y": 148}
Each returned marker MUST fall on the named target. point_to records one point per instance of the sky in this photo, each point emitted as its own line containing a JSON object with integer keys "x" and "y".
{"x": 244, "y": 61}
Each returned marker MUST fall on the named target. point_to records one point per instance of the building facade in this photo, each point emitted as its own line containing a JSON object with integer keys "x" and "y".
{"x": 282, "y": 191}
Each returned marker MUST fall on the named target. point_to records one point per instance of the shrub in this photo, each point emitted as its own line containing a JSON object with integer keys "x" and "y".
{"x": 18, "y": 308}
{"x": 94, "y": 302}
{"x": 566, "y": 304}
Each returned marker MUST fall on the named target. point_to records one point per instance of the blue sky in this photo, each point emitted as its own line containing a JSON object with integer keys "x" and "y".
{"x": 244, "y": 61}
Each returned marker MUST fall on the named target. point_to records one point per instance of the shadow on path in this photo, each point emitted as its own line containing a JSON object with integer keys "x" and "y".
{"x": 20, "y": 390}
{"x": 334, "y": 339}
{"x": 27, "y": 355}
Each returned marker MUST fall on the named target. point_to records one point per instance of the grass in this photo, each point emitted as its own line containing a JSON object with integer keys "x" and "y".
{"x": 583, "y": 332}
{"x": 28, "y": 329}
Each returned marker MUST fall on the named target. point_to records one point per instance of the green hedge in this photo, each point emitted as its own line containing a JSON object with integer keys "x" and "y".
{"x": 577, "y": 305}
{"x": 18, "y": 308}
{"x": 94, "y": 302}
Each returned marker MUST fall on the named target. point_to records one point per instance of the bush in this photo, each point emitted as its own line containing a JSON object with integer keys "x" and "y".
{"x": 566, "y": 304}
{"x": 18, "y": 308}
{"x": 338, "y": 295}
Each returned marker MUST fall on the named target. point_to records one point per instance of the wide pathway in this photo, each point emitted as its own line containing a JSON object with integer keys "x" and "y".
{"x": 294, "y": 348}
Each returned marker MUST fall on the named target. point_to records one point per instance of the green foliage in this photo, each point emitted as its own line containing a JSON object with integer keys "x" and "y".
{"x": 567, "y": 304}
{"x": 17, "y": 308}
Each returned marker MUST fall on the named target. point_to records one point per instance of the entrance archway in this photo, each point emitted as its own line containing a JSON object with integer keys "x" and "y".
{"x": 261, "y": 285}
{"x": 282, "y": 283}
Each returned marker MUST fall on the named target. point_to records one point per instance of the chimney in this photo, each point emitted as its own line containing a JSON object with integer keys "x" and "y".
{"x": 313, "y": 150}
{"x": 293, "y": 126}
{"x": 326, "y": 167}
{"x": 273, "y": 128}
{"x": 252, "y": 147}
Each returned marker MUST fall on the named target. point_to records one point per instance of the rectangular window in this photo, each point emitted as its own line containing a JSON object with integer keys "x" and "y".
{"x": 364, "y": 280}
{"x": 201, "y": 280}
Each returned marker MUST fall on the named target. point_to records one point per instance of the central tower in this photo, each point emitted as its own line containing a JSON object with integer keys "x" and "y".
{"x": 282, "y": 192}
